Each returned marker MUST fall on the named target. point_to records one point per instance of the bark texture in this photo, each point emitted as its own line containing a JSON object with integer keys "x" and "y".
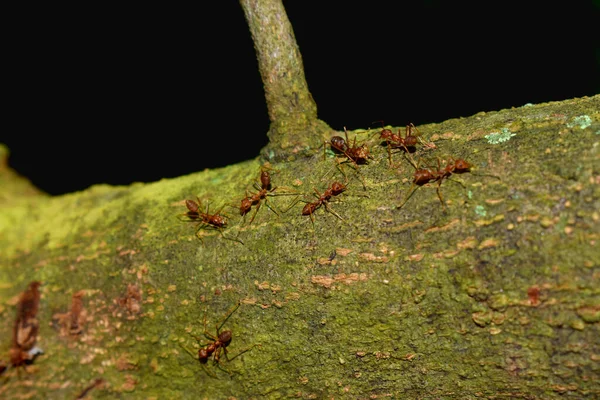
{"x": 497, "y": 296}
{"x": 295, "y": 128}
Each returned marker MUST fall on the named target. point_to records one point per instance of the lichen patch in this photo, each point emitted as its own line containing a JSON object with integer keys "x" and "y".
{"x": 373, "y": 258}
{"x": 443, "y": 228}
{"x": 327, "y": 281}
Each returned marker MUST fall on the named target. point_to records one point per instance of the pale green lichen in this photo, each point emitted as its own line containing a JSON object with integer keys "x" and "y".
{"x": 582, "y": 121}
{"x": 500, "y": 137}
{"x": 480, "y": 210}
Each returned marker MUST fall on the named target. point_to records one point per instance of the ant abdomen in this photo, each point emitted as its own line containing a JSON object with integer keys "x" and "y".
{"x": 338, "y": 143}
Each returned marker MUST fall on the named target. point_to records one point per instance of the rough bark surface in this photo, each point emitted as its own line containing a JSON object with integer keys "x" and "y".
{"x": 497, "y": 296}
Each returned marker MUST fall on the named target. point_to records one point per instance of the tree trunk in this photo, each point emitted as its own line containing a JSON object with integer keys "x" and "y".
{"x": 495, "y": 295}
{"x": 295, "y": 128}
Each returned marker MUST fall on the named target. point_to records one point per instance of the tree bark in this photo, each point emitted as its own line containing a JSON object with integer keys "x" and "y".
{"x": 295, "y": 128}
{"x": 494, "y": 296}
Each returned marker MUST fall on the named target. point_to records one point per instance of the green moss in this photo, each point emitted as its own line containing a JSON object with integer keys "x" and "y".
{"x": 406, "y": 292}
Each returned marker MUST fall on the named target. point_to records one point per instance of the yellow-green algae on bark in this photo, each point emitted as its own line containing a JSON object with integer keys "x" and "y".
{"x": 419, "y": 302}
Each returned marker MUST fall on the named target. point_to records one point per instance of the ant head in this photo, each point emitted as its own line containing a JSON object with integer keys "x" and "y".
{"x": 245, "y": 206}
{"x": 362, "y": 154}
{"x": 337, "y": 188}
{"x": 203, "y": 355}
{"x": 218, "y": 220}
{"x": 461, "y": 165}
{"x": 386, "y": 134}
{"x": 265, "y": 179}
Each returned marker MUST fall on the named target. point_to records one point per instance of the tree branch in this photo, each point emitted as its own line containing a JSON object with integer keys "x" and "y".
{"x": 496, "y": 296}
{"x": 295, "y": 128}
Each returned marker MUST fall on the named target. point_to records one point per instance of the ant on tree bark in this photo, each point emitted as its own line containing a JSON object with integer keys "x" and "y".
{"x": 205, "y": 220}
{"x": 427, "y": 175}
{"x": 217, "y": 342}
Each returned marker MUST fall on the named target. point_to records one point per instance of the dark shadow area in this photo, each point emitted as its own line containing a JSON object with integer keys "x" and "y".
{"x": 109, "y": 95}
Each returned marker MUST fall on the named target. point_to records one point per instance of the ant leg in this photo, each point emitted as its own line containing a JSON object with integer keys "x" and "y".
{"x": 228, "y": 315}
{"x": 217, "y": 360}
{"x": 312, "y": 220}
{"x": 200, "y": 227}
{"x": 241, "y": 351}
{"x": 272, "y": 208}
{"x": 339, "y": 167}
{"x": 292, "y": 204}
{"x": 234, "y": 239}
{"x": 211, "y": 374}
{"x": 389, "y": 150}
{"x": 332, "y": 211}
{"x": 355, "y": 167}
{"x": 206, "y": 333}
{"x": 191, "y": 353}
{"x": 439, "y": 193}
{"x": 255, "y": 212}
{"x": 409, "y": 195}
{"x": 411, "y": 160}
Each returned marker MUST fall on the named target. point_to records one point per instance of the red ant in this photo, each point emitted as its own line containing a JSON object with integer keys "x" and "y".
{"x": 204, "y": 219}
{"x": 427, "y": 175}
{"x": 335, "y": 189}
{"x": 221, "y": 341}
{"x": 396, "y": 141}
{"x": 356, "y": 154}
{"x": 255, "y": 199}
{"x": 408, "y": 143}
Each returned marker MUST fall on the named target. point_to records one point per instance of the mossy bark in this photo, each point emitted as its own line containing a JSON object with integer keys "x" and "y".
{"x": 295, "y": 129}
{"x": 421, "y": 302}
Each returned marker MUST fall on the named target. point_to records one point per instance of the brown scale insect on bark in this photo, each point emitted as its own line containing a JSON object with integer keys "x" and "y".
{"x": 71, "y": 323}
{"x": 132, "y": 301}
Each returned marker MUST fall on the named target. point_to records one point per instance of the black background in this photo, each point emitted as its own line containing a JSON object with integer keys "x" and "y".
{"x": 117, "y": 94}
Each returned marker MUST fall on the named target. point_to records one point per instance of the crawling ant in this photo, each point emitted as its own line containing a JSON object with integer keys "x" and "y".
{"x": 427, "y": 175}
{"x": 255, "y": 199}
{"x": 194, "y": 214}
{"x": 219, "y": 342}
{"x": 396, "y": 141}
{"x": 335, "y": 189}
{"x": 356, "y": 154}
{"x": 205, "y": 219}
{"x": 408, "y": 143}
